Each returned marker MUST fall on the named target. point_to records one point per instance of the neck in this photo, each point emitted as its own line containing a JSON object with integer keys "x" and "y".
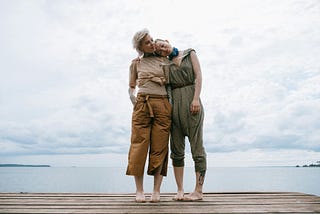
{"x": 148, "y": 54}
{"x": 174, "y": 53}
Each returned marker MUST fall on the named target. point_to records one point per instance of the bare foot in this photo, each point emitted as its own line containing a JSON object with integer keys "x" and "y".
{"x": 140, "y": 198}
{"x": 155, "y": 197}
{"x": 194, "y": 196}
{"x": 179, "y": 196}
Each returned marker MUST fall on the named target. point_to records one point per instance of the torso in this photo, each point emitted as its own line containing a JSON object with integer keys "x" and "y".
{"x": 181, "y": 72}
{"x": 177, "y": 60}
{"x": 151, "y": 66}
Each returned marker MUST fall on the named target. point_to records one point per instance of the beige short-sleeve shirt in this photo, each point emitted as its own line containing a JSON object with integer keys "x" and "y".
{"x": 149, "y": 75}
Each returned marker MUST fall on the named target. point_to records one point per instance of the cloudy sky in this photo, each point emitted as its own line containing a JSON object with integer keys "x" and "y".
{"x": 64, "y": 78}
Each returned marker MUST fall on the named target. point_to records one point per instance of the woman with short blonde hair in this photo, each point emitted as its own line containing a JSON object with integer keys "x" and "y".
{"x": 151, "y": 117}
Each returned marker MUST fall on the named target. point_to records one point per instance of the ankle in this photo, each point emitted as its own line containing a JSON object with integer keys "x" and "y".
{"x": 138, "y": 192}
{"x": 156, "y": 192}
{"x": 198, "y": 190}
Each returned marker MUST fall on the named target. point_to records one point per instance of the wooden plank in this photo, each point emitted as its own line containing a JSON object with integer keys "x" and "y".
{"x": 233, "y": 202}
{"x": 71, "y": 201}
{"x": 188, "y": 209}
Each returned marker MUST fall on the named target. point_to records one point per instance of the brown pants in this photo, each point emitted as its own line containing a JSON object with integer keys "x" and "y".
{"x": 151, "y": 121}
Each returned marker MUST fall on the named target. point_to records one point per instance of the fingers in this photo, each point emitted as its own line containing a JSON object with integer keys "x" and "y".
{"x": 194, "y": 109}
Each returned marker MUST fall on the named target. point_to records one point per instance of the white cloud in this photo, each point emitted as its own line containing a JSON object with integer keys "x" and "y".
{"x": 64, "y": 74}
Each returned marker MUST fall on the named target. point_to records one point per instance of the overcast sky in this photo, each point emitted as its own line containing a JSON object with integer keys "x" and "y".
{"x": 64, "y": 77}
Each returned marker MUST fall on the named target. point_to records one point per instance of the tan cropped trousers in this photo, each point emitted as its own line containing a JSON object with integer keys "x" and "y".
{"x": 151, "y": 121}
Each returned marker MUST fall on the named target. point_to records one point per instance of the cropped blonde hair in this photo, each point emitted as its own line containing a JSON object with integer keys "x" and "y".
{"x": 137, "y": 39}
{"x": 160, "y": 40}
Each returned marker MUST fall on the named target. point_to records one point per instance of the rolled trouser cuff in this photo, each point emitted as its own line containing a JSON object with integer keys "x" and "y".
{"x": 178, "y": 163}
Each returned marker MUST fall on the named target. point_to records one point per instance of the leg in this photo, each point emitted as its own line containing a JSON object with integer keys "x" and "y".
{"x": 155, "y": 197}
{"x": 198, "y": 156}
{"x": 177, "y": 145}
{"x": 139, "y": 189}
{"x": 140, "y": 140}
{"x": 178, "y": 174}
{"x": 159, "y": 140}
{"x": 158, "y": 156}
{"x": 197, "y": 193}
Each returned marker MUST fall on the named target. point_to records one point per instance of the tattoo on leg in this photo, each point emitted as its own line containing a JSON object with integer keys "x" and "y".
{"x": 201, "y": 177}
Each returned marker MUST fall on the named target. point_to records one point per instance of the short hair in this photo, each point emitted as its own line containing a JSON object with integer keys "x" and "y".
{"x": 160, "y": 40}
{"x": 137, "y": 39}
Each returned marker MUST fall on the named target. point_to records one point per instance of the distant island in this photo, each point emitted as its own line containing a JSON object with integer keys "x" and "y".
{"x": 23, "y": 165}
{"x": 317, "y": 164}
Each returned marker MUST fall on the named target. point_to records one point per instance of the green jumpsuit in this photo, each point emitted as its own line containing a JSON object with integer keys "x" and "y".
{"x": 184, "y": 124}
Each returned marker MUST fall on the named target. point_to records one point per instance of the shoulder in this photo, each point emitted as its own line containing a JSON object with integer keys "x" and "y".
{"x": 193, "y": 56}
{"x": 163, "y": 59}
{"x": 189, "y": 51}
{"x": 155, "y": 59}
{"x": 135, "y": 61}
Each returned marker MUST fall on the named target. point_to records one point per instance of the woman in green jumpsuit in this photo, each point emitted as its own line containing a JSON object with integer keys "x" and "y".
{"x": 187, "y": 115}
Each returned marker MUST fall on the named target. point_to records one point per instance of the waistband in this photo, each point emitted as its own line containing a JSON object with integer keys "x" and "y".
{"x": 146, "y": 98}
{"x": 152, "y": 95}
{"x": 181, "y": 86}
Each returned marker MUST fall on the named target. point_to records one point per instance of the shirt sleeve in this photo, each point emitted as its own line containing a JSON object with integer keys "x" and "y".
{"x": 133, "y": 74}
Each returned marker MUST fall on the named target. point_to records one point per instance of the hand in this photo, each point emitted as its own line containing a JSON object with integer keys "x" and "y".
{"x": 131, "y": 95}
{"x": 133, "y": 99}
{"x": 195, "y": 107}
{"x": 138, "y": 59}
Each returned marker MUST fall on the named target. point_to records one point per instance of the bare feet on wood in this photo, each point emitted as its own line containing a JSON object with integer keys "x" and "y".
{"x": 194, "y": 196}
{"x": 155, "y": 197}
{"x": 179, "y": 196}
{"x": 140, "y": 198}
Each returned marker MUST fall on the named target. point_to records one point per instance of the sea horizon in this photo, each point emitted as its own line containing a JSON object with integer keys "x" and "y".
{"x": 113, "y": 179}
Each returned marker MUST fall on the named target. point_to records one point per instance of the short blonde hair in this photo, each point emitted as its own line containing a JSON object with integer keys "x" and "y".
{"x": 137, "y": 39}
{"x": 160, "y": 40}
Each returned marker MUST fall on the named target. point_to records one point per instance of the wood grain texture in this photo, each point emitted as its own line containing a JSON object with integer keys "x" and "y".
{"x": 224, "y": 202}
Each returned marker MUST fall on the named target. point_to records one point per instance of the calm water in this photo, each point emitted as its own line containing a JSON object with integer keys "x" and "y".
{"x": 113, "y": 180}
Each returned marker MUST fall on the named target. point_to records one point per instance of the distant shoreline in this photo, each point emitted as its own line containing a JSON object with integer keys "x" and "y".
{"x": 317, "y": 164}
{"x": 24, "y": 165}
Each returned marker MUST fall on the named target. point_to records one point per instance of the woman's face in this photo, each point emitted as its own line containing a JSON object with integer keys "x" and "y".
{"x": 163, "y": 48}
{"x": 147, "y": 44}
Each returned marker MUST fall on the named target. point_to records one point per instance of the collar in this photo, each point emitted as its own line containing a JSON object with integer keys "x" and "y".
{"x": 148, "y": 54}
{"x": 174, "y": 53}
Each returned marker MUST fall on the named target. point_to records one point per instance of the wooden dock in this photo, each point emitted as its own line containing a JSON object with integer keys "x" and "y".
{"x": 237, "y": 202}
